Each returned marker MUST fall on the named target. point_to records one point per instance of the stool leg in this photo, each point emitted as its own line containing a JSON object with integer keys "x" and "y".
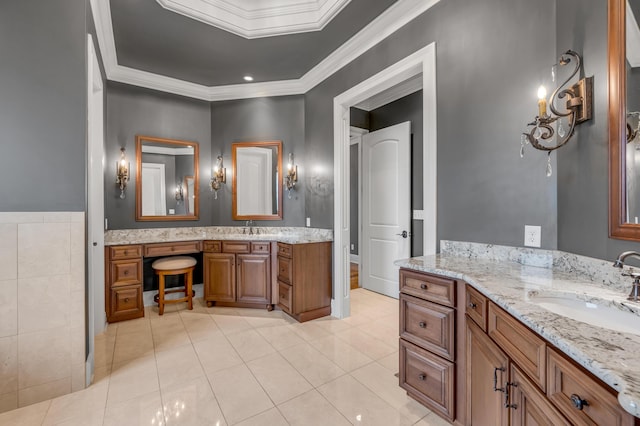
{"x": 161, "y": 293}
{"x": 189, "y": 286}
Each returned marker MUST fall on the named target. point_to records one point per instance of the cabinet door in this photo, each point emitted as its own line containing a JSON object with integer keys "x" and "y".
{"x": 220, "y": 277}
{"x": 486, "y": 367}
{"x": 254, "y": 278}
{"x": 529, "y": 407}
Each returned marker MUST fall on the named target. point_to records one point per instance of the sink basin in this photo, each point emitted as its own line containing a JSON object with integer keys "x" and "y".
{"x": 596, "y": 312}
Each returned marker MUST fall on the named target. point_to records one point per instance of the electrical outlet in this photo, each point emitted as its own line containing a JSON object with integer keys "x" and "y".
{"x": 308, "y": 221}
{"x": 532, "y": 235}
{"x": 353, "y": 246}
{"x": 172, "y": 211}
{"x": 418, "y": 214}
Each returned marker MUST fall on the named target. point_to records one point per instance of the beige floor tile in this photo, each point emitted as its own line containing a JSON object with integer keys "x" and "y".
{"x": 95, "y": 418}
{"x": 200, "y": 327}
{"x": 216, "y": 354}
{"x": 309, "y": 331}
{"x": 169, "y": 332}
{"x": 391, "y": 362}
{"x": 132, "y": 379}
{"x": 33, "y": 415}
{"x": 311, "y": 409}
{"x": 192, "y": 404}
{"x": 271, "y": 417}
{"x": 314, "y": 366}
{"x": 372, "y": 347}
{"x": 78, "y": 405}
{"x": 101, "y": 374}
{"x": 250, "y": 345}
{"x": 344, "y": 355}
{"x": 144, "y": 409}
{"x": 132, "y": 346}
{"x": 178, "y": 365}
{"x": 433, "y": 420}
{"x": 104, "y": 348}
{"x": 231, "y": 323}
{"x": 332, "y": 325}
{"x": 384, "y": 383}
{"x": 280, "y": 337}
{"x": 239, "y": 394}
{"x": 138, "y": 325}
{"x": 359, "y": 405}
{"x": 281, "y": 381}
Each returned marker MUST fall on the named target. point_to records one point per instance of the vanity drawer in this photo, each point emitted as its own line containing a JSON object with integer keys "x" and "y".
{"x": 431, "y": 287}
{"x": 566, "y": 380}
{"x": 285, "y": 269}
{"x": 126, "y": 303}
{"x": 476, "y": 307}
{"x": 285, "y": 292}
{"x": 126, "y": 272}
{"x": 428, "y": 325}
{"x": 236, "y": 247}
{"x": 428, "y": 378}
{"x": 125, "y": 252}
{"x": 212, "y": 246}
{"x": 261, "y": 247}
{"x": 169, "y": 249}
{"x": 285, "y": 250}
{"x": 524, "y": 346}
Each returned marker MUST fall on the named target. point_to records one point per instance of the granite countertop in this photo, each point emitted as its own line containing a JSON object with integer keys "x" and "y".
{"x": 612, "y": 356}
{"x": 289, "y": 235}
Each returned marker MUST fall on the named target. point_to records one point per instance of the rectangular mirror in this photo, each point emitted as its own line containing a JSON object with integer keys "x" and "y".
{"x": 257, "y": 171}
{"x": 166, "y": 179}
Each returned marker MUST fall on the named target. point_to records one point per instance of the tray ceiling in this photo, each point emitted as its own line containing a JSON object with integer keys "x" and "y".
{"x": 259, "y": 18}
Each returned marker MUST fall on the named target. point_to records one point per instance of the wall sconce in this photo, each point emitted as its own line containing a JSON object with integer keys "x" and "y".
{"x": 218, "y": 176}
{"x": 179, "y": 193}
{"x": 578, "y": 108}
{"x": 122, "y": 172}
{"x": 292, "y": 175}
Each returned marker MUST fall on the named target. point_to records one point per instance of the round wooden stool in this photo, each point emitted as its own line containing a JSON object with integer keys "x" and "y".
{"x": 176, "y": 265}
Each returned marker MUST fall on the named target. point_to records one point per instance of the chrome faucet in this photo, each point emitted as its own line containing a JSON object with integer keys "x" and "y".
{"x": 249, "y": 224}
{"x": 619, "y": 263}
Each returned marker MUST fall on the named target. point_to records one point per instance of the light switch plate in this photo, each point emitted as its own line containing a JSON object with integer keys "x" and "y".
{"x": 308, "y": 221}
{"x": 172, "y": 211}
{"x": 532, "y": 235}
{"x": 418, "y": 214}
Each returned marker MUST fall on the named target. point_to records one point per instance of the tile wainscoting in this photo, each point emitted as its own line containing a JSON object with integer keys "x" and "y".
{"x": 42, "y": 306}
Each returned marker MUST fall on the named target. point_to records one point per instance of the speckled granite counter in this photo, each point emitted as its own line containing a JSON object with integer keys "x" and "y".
{"x": 510, "y": 282}
{"x": 288, "y": 235}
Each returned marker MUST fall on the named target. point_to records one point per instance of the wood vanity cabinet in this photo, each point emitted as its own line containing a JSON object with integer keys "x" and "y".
{"x": 304, "y": 279}
{"x": 237, "y": 273}
{"x": 123, "y": 282}
{"x": 427, "y": 340}
{"x": 514, "y": 377}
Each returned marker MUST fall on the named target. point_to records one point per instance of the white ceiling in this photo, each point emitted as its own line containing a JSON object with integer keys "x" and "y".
{"x": 259, "y": 18}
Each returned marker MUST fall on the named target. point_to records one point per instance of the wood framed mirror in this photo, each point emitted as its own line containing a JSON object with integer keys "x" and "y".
{"x": 257, "y": 173}
{"x": 166, "y": 179}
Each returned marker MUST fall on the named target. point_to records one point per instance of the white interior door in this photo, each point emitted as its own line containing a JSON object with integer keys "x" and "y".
{"x": 96, "y": 315}
{"x": 386, "y": 206}
{"x": 153, "y": 190}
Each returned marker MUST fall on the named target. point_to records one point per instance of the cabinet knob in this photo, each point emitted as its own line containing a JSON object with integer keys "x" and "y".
{"x": 423, "y": 286}
{"x": 422, "y": 324}
{"x": 472, "y": 305}
{"x": 578, "y": 402}
{"x": 126, "y": 272}
{"x": 126, "y": 300}
{"x": 422, "y": 377}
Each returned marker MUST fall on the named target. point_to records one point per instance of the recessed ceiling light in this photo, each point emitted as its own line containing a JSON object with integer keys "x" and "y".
{"x": 248, "y": 78}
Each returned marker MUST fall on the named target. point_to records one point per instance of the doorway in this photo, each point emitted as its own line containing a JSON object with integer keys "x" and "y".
{"x": 421, "y": 62}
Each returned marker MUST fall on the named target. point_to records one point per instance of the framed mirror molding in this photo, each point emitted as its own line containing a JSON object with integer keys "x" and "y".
{"x": 166, "y": 179}
{"x": 256, "y": 180}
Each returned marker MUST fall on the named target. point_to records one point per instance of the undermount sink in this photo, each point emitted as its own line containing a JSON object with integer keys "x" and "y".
{"x": 596, "y": 312}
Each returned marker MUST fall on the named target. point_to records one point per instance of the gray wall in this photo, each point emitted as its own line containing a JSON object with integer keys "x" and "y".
{"x": 486, "y": 86}
{"x": 135, "y": 111}
{"x": 261, "y": 119}
{"x": 583, "y": 164}
{"x": 43, "y": 105}
{"x": 408, "y": 108}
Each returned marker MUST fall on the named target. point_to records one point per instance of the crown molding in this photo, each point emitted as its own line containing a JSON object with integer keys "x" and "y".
{"x": 271, "y": 18}
{"x": 383, "y": 26}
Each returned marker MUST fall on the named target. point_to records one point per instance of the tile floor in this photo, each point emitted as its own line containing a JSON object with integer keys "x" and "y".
{"x": 230, "y": 366}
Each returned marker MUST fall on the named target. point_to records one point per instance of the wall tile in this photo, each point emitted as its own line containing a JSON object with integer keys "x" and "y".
{"x": 44, "y": 356}
{"x": 43, "y": 249}
{"x": 21, "y": 217}
{"x": 56, "y": 217}
{"x": 8, "y": 401}
{"x": 77, "y": 377}
{"x": 43, "y": 303}
{"x": 8, "y": 308}
{"x": 39, "y": 393}
{"x": 77, "y": 261}
{"x": 77, "y": 344}
{"x": 8, "y": 251}
{"x": 8, "y": 364}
